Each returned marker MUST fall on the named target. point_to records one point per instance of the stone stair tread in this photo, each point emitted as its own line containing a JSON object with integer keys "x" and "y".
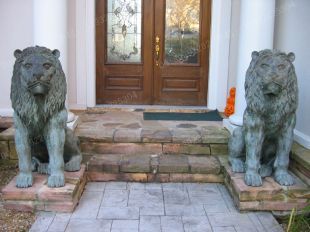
{"x": 154, "y": 163}
{"x": 301, "y": 156}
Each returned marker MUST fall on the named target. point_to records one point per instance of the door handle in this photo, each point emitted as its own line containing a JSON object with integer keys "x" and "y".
{"x": 157, "y": 50}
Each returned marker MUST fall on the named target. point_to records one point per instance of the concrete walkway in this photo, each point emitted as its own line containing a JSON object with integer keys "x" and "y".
{"x": 150, "y": 207}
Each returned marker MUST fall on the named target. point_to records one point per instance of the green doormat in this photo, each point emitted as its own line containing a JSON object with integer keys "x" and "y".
{"x": 208, "y": 116}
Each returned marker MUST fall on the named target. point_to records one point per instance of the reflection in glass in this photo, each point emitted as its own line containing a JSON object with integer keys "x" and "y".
{"x": 182, "y": 31}
{"x": 124, "y": 31}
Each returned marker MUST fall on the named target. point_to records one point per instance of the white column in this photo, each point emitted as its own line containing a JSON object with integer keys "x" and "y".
{"x": 256, "y": 33}
{"x": 50, "y": 30}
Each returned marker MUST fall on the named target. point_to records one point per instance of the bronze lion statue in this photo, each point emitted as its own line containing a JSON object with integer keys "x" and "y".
{"x": 261, "y": 147}
{"x": 43, "y": 142}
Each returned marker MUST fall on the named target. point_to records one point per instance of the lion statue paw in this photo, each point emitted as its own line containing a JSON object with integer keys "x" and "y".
{"x": 56, "y": 180}
{"x": 24, "y": 180}
{"x": 253, "y": 179}
{"x": 284, "y": 178}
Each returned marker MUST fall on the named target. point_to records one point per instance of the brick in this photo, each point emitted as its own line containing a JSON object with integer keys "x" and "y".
{"x": 64, "y": 207}
{"x": 286, "y": 205}
{"x": 173, "y": 164}
{"x": 202, "y": 178}
{"x": 127, "y": 135}
{"x": 11, "y": 192}
{"x": 64, "y": 193}
{"x": 135, "y": 163}
{"x": 13, "y": 153}
{"x": 7, "y": 134}
{"x": 24, "y": 206}
{"x": 160, "y": 177}
{"x": 99, "y": 176}
{"x": 91, "y": 134}
{"x": 219, "y": 149}
{"x": 214, "y": 134}
{"x": 121, "y": 148}
{"x": 301, "y": 155}
{"x": 105, "y": 163}
{"x": 192, "y": 149}
{"x": 186, "y": 136}
{"x": 268, "y": 191}
{"x": 156, "y": 136}
{"x": 4, "y": 150}
{"x": 204, "y": 165}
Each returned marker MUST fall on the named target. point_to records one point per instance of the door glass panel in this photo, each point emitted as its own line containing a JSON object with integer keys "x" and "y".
{"x": 182, "y": 31}
{"x": 124, "y": 31}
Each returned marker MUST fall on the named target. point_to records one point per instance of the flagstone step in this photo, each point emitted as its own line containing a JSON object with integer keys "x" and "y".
{"x": 154, "y": 168}
{"x": 269, "y": 197}
{"x": 41, "y": 197}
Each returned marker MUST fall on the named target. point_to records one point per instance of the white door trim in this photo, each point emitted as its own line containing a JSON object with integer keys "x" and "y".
{"x": 86, "y": 53}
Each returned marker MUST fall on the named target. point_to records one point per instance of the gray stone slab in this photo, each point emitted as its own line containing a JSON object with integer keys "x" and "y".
{"x": 116, "y": 185}
{"x": 173, "y": 186}
{"x": 184, "y": 210}
{"x": 223, "y": 229}
{"x": 118, "y": 213}
{"x": 255, "y": 220}
{"x": 196, "y": 224}
{"x": 175, "y": 196}
{"x": 88, "y": 206}
{"x": 125, "y": 226}
{"x": 201, "y": 187}
{"x": 149, "y": 224}
{"x": 43, "y": 221}
{"x": 134, "y": 185}
{"x": 153, "y": 210}
{"x": 230, "y": 219}
{"x": 95, "y": 187}
{"x": 269, "y": 222}
{"x": 60, "y": 222}
{"x": 115, "y": 197}
{"x": 217, "y": 207}
{"x": 228, "y": 199}
{"x": 153, "y": 186}
{"x": 87, "y": 225}
{"x": 150, "y": 197}
{"x": 171, "y": 224}
{"x": 204, "y": 197}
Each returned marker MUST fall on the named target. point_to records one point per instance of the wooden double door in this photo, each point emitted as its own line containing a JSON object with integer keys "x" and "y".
{"x": 152, "y": 51}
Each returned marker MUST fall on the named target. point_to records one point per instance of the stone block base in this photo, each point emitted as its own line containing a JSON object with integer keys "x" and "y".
{"x": 269, "y": 197}
{"x": 40, "y": 197}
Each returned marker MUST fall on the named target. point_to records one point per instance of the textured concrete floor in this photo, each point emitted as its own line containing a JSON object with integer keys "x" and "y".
{"x": 150, "y": 207}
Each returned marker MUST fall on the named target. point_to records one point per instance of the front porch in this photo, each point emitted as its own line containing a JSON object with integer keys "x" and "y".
{"x": 119, "y": 145}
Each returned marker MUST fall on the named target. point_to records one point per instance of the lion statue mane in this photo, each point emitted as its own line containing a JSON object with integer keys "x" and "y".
{"x": 261, "y": 147}
{"x": 43, "y": 142}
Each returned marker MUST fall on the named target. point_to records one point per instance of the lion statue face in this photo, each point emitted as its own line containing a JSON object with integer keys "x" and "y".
{"x": 274, "y": 72}
{"x": 270, "y": 77}
{"x": 37, "y": 71}
{"x": 38, "y": 87}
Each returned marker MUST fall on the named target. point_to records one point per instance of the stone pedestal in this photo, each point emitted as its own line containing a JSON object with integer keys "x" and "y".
{"x": 269, "y": 197}
{"x": 40, "y": 197}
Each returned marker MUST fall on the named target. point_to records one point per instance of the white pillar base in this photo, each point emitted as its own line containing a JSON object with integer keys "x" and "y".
{"x": 73, "y": 124}
{"x": 236, "y": 120}
{"x": 228, "y": 125}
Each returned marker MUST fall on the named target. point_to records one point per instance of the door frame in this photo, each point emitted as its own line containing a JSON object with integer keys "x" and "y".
{"x": 86, "y": 62}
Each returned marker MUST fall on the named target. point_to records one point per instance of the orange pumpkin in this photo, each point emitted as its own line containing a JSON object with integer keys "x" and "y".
{"x": 230, "y": 103}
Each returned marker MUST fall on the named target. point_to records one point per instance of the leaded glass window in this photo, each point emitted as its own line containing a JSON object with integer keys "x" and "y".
{"x": 124, "y": 31}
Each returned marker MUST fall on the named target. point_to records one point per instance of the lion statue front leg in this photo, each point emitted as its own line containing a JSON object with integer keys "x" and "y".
{"x": 254, "y": 138}
{"x": 55, "y": 141}
{"x": 285, "y": 141}
{"x": 23, "y": 149}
